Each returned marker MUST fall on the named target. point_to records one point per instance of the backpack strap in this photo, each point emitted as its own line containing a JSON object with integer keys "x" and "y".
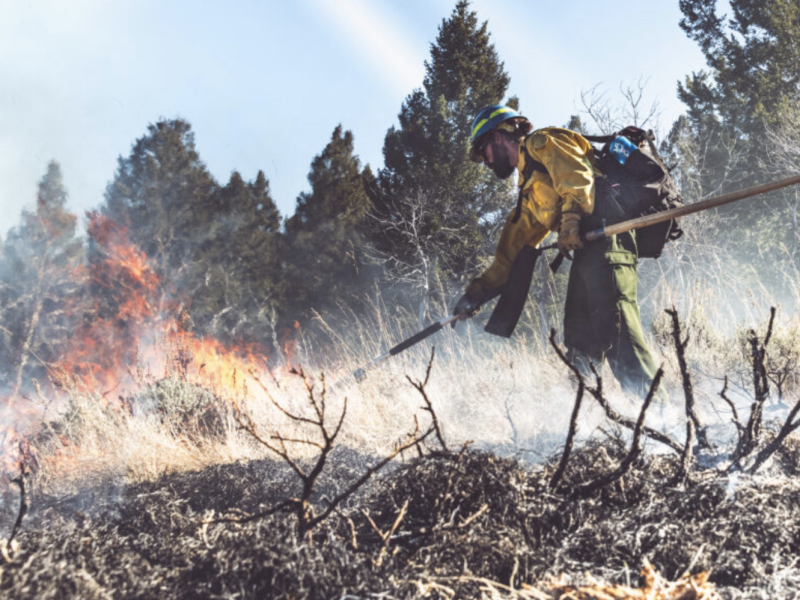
{"x": 530, "y": 166}
{"x": 599, "y": 139}
{"x": 635, "y": 134}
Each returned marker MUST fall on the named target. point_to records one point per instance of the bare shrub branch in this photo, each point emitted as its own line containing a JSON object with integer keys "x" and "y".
{"x": 573, "y": 427}
{"x": 735, "y": 418}
{"x": 307, "y": 519}
{"x": 788, "y": 427}
{"x": 688, "y": 388}
{"x": 420, "y": 387}
{"x": 752, "y": 432}
{"x": 686, "y": 455}
{"x": 23, "y": 503}
{"x": 636, "y": 445}
{"x": 597, "y": 394}
{"x": 386, "y": 536}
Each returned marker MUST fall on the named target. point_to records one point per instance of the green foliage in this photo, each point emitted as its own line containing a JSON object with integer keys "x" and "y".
{"x": 324, "y": 238}
{"x": 234, "y": 279}
{"x": 41, "y": 274}
{"x": 218, "y": 247}
{"x": 755, "y": 60}
{"x": 754, "y": 76}
{"x": 163, "y": 193}
{"x": 727, "y": 140}
{"x": 433, "y": 206}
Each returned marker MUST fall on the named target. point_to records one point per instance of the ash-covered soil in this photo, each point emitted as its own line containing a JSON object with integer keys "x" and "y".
{"x": 468, "y": 516}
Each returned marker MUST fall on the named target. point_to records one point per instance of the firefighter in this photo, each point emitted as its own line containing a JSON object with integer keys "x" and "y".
{"x": 557, "y": 190}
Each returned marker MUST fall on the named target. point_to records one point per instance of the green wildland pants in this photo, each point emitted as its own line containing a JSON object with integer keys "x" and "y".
{"x": 601, "y": 314}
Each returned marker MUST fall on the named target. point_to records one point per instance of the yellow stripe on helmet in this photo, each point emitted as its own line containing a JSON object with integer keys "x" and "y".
{"x": 499, "y": 111}
{"x": 477, "y": 127}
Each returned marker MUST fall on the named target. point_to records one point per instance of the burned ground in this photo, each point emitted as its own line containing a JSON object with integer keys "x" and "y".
{"x": 469, "y": 516}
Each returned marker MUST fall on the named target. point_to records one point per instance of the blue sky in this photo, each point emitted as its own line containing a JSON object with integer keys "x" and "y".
{"x": 264, "y": 83}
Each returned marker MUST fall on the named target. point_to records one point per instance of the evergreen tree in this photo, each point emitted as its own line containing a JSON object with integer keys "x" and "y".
{"x": 164, "y": 194}
{"x": 433, "y": 205}
{"x": 575, "y": 123}
{"x": 40, "y": 284}
{"x": 754, "y": 76}
{"x": 324, "y": 237}
{"x": 724, "y": 142}
{"x": 235, "y": 281}
{"x": 218, "y": 247}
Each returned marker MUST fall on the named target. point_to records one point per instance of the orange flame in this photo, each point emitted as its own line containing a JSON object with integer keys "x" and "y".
{"x": 133, "y": 333}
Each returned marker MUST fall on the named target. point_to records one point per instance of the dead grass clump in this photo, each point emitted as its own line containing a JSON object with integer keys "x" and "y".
{"x": 586, "y": 587}
{"x": 654, "y": 587}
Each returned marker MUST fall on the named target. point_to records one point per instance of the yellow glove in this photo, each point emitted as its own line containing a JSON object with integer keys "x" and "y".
{"x": 569, "y": 235}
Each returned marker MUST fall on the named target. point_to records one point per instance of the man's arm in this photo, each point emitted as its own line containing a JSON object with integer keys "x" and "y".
{"x": 526, "y": 231}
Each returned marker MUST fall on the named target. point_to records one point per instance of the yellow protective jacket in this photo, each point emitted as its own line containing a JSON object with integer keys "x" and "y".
{"x": 568, "y": 186}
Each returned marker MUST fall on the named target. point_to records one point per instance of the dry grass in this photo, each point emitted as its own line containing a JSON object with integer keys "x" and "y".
{"x": 476, "y": 525}
{"x": 511, "y": 396}
{"x": 504, "y": 396}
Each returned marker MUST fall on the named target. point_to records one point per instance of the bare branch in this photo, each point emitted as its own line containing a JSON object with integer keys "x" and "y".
{"x": 688, "y": 387}
{"x": 597, "y": 394}
{"x": 285, "y": 506}
{"x": 636, "y": 445}
{"x": 293, "y": 417}
{"x": 723, "y": 394}
{"x": 283, "y": 440}
{"x": 420, "y": 387}
{"x": 23, "y": 503}
{"x": 387, "y": 536}
{"x": 751, "y": 434}
{"x": 415, "y": 441}
{"x": 788, "y": 427}
{"x": 686, "y": 455}
{"x": 573, "y": 427}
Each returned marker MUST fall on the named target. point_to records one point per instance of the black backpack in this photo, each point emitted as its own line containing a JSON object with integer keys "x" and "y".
{"x": 635, "y": 183}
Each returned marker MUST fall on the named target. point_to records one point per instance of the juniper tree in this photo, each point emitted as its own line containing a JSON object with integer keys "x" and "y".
{"x": 427, "y": 171}
{"x": 216, "y": 248}
{"x": 753, "y": 76}
{"x": 164, "y": 194}
{"x": 724, "y": 142}
{"x": 41, "y": 279}
{"x": 235, "y": 280}
{"x": 324, "y": 237}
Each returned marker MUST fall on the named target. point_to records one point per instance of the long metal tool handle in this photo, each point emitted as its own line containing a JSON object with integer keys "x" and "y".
{"x": 361, "y": 372}
{"x": 689, "y": 209}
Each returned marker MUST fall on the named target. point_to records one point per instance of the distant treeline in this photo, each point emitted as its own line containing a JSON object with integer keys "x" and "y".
{"x": 427, "y": 221}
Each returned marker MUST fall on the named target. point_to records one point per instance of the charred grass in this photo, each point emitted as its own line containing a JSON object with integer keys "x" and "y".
{"x": 228, "y": 519}
{"x": 473, "y": 523}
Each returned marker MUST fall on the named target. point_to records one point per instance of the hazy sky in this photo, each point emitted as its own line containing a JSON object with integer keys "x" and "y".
{"x": 264, "y": 82}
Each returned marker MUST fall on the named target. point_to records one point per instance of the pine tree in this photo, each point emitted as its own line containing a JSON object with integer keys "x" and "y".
{"x": 324, "y": 236}
{"x": 40, "y": 284}
{"x": 164, "y": 194}
{"x": 754, "y": 76}
{"x": 235, "y": 281}
{"x": 435, "y": 210}
{"x": 725, "y": 141}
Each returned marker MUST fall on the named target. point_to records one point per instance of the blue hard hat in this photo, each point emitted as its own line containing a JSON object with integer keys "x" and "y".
{"x": 489, "y": 118}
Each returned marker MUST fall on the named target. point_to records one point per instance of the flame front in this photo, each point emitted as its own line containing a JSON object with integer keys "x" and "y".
{"x": 132, "y": 334}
